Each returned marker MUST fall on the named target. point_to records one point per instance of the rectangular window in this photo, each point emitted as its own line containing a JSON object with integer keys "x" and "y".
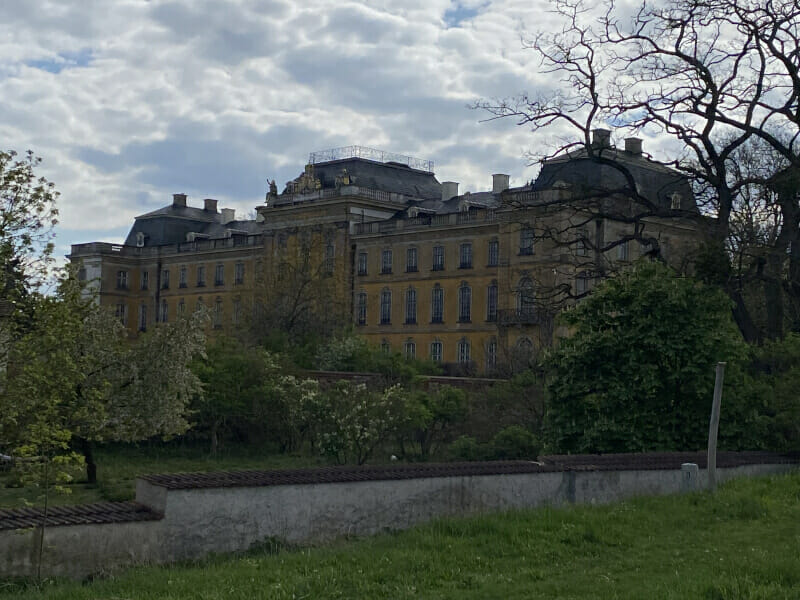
{"x": 122, "y": 280}
{"x": 219, "y": 275}
{"x": 582, "y": 284}
{"x": 201, "y": 277}
{"x": 121, "y": 312}
{"x": 491, "y": 303}
{"x": 237, "y": 311}
{"x": 386, "y": 261}
{"x": 361, "y": 314}
{"x": 218, "y": 313}
{"x": 436, "y": 351}
{"x": 494, "y": 253}
{"x": 144, "y": 280}
{"x": 238, "y": 274}
{"x": 463, "y": 352}
{"x": 386, "y": 307}
{"x": 143, "y": 317}
{"x": 182, "y": 307}
{"x": 623, "y": 251}
{"x": 491, "y": 356}
{"x": 330, "y": 254}
{"x": 411, "y": 260}
{"x": 526, "y": 241}
{"x": 182, "y": 277}
{"x": 465, "y": 253}
{"x": 411, "y": 350}
{"x": 411, "y": 306}
{"x": 362, "y": 263}
{"x": 82, "y": 274}
{"x": 438, "y": 258}
{"x": 437, "y": 304}
{"x": 163, "y": 313}
{"x": 464, "y": 303}
{"x": 165, "y": 279}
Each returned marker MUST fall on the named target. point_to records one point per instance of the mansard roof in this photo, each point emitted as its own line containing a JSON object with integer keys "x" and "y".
{"x": 587, "y": 175}
{"x": 383, "y": 176}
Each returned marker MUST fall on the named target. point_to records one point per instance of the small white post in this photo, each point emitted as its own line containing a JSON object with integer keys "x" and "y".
{"x": 713, "y": 428}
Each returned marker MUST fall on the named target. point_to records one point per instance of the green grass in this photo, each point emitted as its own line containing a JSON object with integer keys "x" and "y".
{"x": 118, "y": 466}
{"x": 744, "y": 542}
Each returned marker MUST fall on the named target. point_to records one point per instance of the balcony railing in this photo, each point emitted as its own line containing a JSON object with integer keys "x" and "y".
{"x": 234, "y": 241}
{"x": 516, "y": 316}
{"x": 423, "y": 222}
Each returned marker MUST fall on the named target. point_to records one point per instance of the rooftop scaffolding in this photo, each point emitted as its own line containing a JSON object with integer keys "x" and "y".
{"x": 370, "y": 154}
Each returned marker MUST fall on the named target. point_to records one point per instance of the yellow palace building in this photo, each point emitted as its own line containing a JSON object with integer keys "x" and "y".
{"x": 471, "y": 280}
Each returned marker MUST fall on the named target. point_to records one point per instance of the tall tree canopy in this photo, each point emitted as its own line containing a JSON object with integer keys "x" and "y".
{"x": 637, "y": 374}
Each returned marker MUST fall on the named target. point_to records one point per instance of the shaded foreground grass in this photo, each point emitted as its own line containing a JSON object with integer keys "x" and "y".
{"x": 118, "y": 467}
{"x": 744, "y": 542}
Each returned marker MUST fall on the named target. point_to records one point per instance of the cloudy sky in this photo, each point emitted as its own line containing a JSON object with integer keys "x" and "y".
{"x": 128, "y": 101}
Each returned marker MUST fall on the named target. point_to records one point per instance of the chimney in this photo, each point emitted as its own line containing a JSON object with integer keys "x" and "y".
{"x": 449, "y": 190}
{"x": 228, "y": 215}
{"x": 210, "y": 205}
{"x": 633, "y": 145}
{"x": 601, "y": 138}
{"x": 178, "y": 199}
{"x": 499, "y": 183}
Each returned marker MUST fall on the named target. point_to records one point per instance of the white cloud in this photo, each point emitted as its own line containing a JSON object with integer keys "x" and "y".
{"x": 130, "y": 104}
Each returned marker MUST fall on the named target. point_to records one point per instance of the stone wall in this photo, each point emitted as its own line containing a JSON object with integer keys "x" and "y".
{"x": 195, "y": 516}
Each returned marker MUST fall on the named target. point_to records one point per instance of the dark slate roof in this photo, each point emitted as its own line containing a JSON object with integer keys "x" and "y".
{"x": 217, "y": 230}
{"x": 583, "y": 174}
{"x": 387, "y": 177}
{"x": 81, "y": 514}
{"x": 170, "y": 224}
{"x": 545, "y": 464}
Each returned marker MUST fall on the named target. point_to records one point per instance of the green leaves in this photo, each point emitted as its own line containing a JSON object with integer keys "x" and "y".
{"x": 638, "y": 372}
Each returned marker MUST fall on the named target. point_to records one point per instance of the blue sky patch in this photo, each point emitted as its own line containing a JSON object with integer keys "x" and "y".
{"x": 64, "y": 60}
{"x": 455, "y": 15}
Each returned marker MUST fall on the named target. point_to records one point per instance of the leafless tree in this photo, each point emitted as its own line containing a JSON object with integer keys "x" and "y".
{"x": 715, "y": 75}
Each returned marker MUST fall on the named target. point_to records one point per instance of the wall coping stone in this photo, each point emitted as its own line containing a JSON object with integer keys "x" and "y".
{"x": 545, "y": 464}
{"x": 79, "y": 514}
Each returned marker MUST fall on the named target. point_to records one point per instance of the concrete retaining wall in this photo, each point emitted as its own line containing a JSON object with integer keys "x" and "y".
{"x": 197, "y": 522}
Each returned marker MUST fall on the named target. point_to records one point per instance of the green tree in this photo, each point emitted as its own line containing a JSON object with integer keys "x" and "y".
{"x": 74, "y": 379}
{"x": 637, "y": 373}
{"x": 429, "y": 419}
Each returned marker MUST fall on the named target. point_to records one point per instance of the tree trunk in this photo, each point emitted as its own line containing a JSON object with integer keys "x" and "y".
{"x": 87, "y": 449}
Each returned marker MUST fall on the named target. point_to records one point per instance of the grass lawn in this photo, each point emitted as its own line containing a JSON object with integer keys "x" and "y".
{"x": 744, "y": 542}
{"x": 118, "y": 466}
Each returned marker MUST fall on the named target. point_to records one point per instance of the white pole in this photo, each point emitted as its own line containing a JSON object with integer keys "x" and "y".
{"x": 713, "y": 428}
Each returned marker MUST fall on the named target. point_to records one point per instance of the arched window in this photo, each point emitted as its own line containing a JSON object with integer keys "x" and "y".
{"x": 494, "y": 253}
{"x": 526, "y": 236}
{"x": 385, "y": 347}
{"x": 411, "y": 305}
{"x": 410, "y": 349}
{"x": 386, "y": 306}
{"x": 464, "y": 302}
{"x": 463, "y": 351}
{"x": 163, "y": 312}
{"x": 437, "y": 304}
{"x": 491, "y": 355}
{"x": 436, "y": 351}
{"x": 526, "y": 299}
{"x": 491, "y": 302}
{"x": 524, "y": 344}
